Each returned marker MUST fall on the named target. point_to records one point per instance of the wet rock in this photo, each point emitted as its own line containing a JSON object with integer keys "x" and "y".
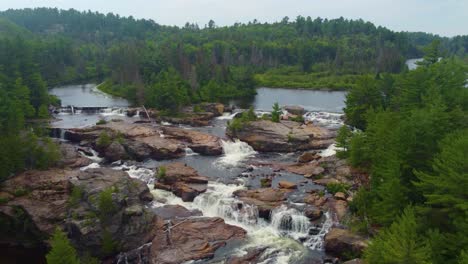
{"x": 340, "y": 196}
{"x": 295, "y": 110}
{"x": 167, "y": 212}
{"x": 287, "y": 185}
{"x": 182, "y": 240}
{"x": 216, "y": 108}
{"x": 204, "y": 144}
{"x": 71, "y": 158}
{"x": 265, "y": 199}
{"x": 286, "y": 136}
{"x": 115, "y": 151}
{"x": 183, "y": 181}
{"x": 313, "y": 213}
{"x": 338, "y": 207}
{"x": 315, "y": 199}
{"x": 307, "y": 169}
{"x": 308, "y": 157}
{"x": 252, "y": 256}
{"x": 342, "y": 243}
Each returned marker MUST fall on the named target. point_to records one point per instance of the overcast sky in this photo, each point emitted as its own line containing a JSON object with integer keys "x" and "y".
{"x": 443, "y": 17}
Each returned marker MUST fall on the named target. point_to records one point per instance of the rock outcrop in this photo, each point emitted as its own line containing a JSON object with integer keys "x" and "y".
{"x": 182, "y": 180}
{"x": 39, "y": 201}
{"x": 344, "y": 244}
{"x": 178, "y": 241}
{"x": 142, "y": 141}
{"x": 285, "y": 136}
{"x": 294, "y": 109}
{"x": 265, "y": 199}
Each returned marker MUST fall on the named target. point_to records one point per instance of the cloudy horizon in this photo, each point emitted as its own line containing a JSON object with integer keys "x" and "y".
{"x": 445, "y": 18}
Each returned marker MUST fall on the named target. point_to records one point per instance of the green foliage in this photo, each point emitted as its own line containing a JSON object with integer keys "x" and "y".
{"x": 265, "y": 182}
{"x": 161, "y": 174}
{"x": 298, "y": 118}
{"x": 75, "y": 196}
{"x": 20, "y": 191}
{"x": 104, "y": 140}
{"x": 62, "y": 251}
{"x": 342, "y": 141}
{"x": 239, "y": 123}
{"x": 400, "y": 243}
{"x": 108, "y": 245}
{"x": 105, "y": 204}
{"x": 101, "y": 122}
{"x": 276, "y": 113}
{"x": 334, "y": 187}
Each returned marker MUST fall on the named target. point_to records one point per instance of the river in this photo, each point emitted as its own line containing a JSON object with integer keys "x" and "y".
{"x": 290, "y": 237}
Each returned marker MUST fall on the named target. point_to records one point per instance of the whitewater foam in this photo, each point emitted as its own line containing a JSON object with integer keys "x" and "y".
{"x": 235, "y": 153}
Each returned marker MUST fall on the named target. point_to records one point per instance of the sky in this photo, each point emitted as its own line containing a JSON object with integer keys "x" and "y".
{"x": 443, "y": 17}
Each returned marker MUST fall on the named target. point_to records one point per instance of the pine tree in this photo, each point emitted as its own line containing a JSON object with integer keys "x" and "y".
{"x": 276, "y": 113}
{"x": 62, "y": 251}
{"x": 399, "y": 244}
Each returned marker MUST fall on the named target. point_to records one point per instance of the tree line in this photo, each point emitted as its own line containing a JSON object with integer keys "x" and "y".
{"x": 412, "y": 140}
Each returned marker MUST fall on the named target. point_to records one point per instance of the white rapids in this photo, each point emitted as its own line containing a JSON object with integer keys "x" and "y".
{"x": 235, "y": 153}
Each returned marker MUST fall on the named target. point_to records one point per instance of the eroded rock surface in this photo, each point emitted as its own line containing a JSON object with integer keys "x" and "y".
{"x": 342, "y": 243}
{"x": 285, "y": 136}
{"x": 265, "y": 199}
{"x": 182, "y": 180}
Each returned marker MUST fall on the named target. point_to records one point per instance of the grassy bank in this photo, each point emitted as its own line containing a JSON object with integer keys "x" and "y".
{"x": 287, "y": 78}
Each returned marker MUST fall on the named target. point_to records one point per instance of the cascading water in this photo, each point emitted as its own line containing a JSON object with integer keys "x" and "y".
{"x": 316, "y": 242}
{"x": 290, "y": 222}
{"x": 190, "y": 152}
{"x": 72, "y": 110}
{"x": 325, "y": 119}
{"x": 235, "y": 152}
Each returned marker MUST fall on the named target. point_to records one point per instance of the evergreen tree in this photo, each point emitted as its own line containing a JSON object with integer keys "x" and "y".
{"x": 62, "y": 251}
{"x": 400, "y": 243}
{"x": 276, "y": 113}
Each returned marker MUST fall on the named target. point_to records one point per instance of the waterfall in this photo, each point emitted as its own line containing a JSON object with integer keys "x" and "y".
{"x": 227, "y": 116}
{"x": 72, "y": 109}
{"x": 290, "y": 222}
{"x": 316, "y": 242}
{"x": 190, "y": 152}
{"x": 235, "y": 153}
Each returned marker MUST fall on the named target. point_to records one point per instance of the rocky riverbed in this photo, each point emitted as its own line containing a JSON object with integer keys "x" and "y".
{"x": 161, "y": 192}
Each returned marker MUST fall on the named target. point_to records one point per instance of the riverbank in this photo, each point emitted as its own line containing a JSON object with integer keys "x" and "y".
{"x": 292, "y": 79}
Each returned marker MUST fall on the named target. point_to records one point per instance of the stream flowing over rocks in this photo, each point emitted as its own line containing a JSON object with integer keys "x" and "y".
{"x": 172, "y": 190}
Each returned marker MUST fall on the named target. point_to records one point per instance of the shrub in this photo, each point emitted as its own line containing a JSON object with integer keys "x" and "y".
{"x": 75, "y": 196}
{"x": 20, "y": 191}
{"x": 265, "y": 183}
{"x": 298, "y": 118}
{"x": 106, "y": 205}
{"x": 197, "y": 109}
{"x": 101, "y": 122}
{"x": 104, "y": 140}
{"x": 334, "y": 187}
{"x": 161, "y": 175}
{"x": 276, "y": 113}
{"x": 108, "y": 244}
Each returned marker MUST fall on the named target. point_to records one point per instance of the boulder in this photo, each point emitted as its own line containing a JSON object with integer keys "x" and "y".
{"x": 340, "y": 196}
{"x": 342, "y": 243}
{"x": 308, "y": 157}
{"x": 168, "y": 212}
{"x": 179, "y": 241}
{"x": 307, "y": 169}
{"x": 115, "y": 151}
{"x": 285, "y": 136}
{"x": 216, "y": 108}
{"x": 204, "y": 144}
{"x": 253, "y": 256}
{"x": 313, "y": 213}
{"x": 287, "y": 185}
{"x": 338, "y": 207}
{"x": 295, "y": 110}
{"x": 71, "y": 157}
{"x": 265, "y": 199}
{"x": 315, "y": 199}
{"x": 183, "y": 181}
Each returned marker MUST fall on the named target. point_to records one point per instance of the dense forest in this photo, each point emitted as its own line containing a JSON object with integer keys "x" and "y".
{"x": 409, "y": 133}
{"x": 212, "y": 63}
{"x": 413, "y": 141}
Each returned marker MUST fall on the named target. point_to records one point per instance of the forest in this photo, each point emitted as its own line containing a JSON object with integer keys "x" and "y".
{"x": 407, "y": 129}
